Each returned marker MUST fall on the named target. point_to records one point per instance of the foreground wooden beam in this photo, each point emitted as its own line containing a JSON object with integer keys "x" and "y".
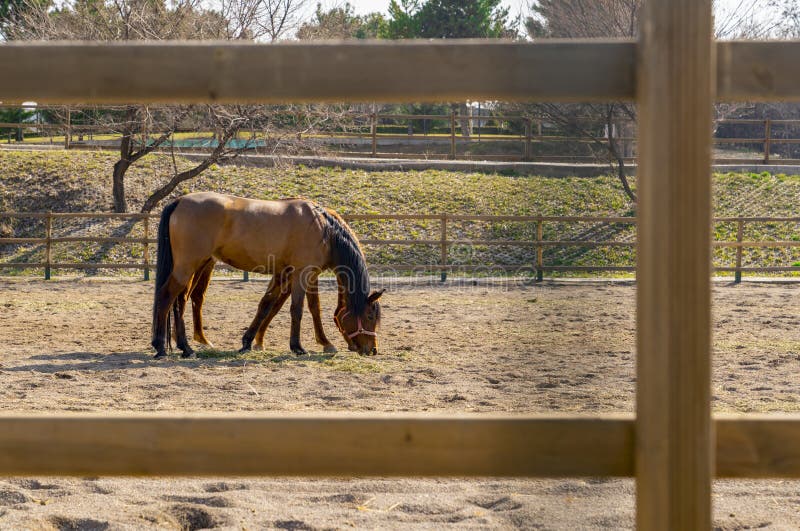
{"x": 748, "y": 446}
{"x": 352, "y": 71}
{"x": 674, "y": 455}
{"x": 758, "y": 71}
{"x": 170, "y": 72}
{"x": 315, "y": 445}
{"x": 758, "y": 446}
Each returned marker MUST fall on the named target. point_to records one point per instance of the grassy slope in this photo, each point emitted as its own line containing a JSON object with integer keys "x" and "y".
{"x": 80, "y": 181}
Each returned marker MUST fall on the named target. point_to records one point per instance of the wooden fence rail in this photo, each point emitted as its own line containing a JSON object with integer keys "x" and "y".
{"x": 136, "y": 444}
{"x": 444, "y": 243}
{"x": 526, "y": 139}
{"x": 292, "y": 445}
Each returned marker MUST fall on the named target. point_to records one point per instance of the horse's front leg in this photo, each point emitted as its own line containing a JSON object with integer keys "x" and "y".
{"x": 269, "y": 305}
{"x": 264, "y": 308}
{"x": 258, "y": 343}
{"x": 339, "y": 307}
{"x": 314, "y": 307}
{"x": 281, "y": 282}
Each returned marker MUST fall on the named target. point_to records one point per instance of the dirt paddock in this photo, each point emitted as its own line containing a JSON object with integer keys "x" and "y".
{"x": 83, "y": 345}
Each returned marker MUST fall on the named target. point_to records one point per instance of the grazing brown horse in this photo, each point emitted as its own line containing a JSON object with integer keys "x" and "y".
{"x": 293, "y": 239}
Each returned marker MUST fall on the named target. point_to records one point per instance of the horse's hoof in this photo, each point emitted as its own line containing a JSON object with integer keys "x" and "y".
{"x": 160, "y": 356}
{"x": 329, "y": 349}
{"x": 244, "y": 350}
{"x": 300, "y": 351}
{"x": 190, "y": 355}
{"x": 258, "y": 346}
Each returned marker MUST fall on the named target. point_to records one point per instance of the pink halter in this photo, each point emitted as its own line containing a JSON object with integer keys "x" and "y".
{"x": 360, "y": 330}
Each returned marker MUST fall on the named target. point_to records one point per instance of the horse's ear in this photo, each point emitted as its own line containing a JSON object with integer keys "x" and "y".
{"x": 375, "y": 295}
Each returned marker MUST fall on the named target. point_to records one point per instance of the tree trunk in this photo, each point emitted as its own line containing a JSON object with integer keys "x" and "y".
{"x": 623, "y": 178}
{"x": 118, "y": 188}
{"x": 620, "y": 162}
{"x": 124, "y": 162}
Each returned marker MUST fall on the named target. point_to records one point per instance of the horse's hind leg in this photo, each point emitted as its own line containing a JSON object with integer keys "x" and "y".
{"x": 312, "y": 296}
{"x": 179, "y": 307}
{"x": 200, "y": 284}
{"x": 166, "y": 297}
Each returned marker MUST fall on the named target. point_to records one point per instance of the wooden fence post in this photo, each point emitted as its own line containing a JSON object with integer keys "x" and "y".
{"x": 374, "y": 133}
{"x": 739, "y": 234}
{"x": 146, "y": 250}
{"x": 767, "y": 139}
{"x": 444, "y": 247}
{"x": 246, "y": 276}
{"x": 527, "y": 139}
{"x": 676, "y": 81}
{"x": 68, "y": 129}
{"x": 48, "y": 233}
{"x": 539, "y": 251}
{"x": 453, "y": 135}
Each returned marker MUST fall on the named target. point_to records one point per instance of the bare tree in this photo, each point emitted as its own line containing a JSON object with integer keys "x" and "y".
{"x": 130, "y": 150}
{"x": 228, "y": 125}
{"x": 597, "y": 122}
{"x": 747, "y": 19}
{"x": 125, "y": 20}
{"x": 271, "y": 20}
{"x": 583, "y": 18}
{"x": 787, "y": 16}
{"x": 755, "y": 19}
{"x": 620, "y": 18}
{"x": 742, "y": 19}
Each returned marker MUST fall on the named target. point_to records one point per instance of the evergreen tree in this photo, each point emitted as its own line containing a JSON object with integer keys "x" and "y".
{"x": 448, "y": 19}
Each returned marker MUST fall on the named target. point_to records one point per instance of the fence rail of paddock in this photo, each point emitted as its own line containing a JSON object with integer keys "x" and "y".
{"x": 549, "y": 234}
{"x": 525, "y": 138}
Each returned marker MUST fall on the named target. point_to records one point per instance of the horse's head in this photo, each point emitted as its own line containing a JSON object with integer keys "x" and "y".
{"x": 361, "y": 331}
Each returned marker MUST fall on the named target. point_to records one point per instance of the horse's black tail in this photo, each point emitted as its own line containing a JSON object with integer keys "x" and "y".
{"x": 164, "y": 265}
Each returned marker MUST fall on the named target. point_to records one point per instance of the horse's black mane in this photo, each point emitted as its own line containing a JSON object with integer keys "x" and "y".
{"x": 348, "y": 262}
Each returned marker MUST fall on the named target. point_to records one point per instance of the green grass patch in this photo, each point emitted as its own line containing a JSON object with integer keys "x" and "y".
{"x": 79, "y": 181}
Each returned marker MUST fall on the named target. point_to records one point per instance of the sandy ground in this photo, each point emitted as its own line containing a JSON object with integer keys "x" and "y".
{"x": 82, "y": 345}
